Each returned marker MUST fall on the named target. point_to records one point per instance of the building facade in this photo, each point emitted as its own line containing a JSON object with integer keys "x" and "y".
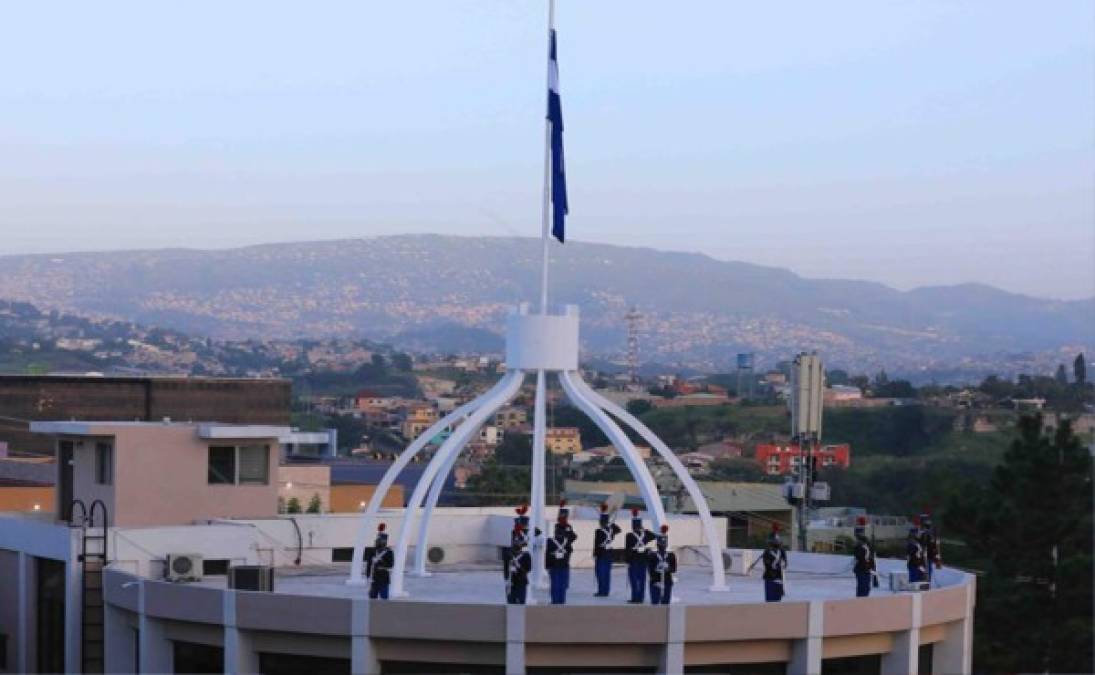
{"x": 778, "y": 460}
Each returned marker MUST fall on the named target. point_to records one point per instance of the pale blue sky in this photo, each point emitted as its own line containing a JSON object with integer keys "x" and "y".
{"x": 905, "y": 142}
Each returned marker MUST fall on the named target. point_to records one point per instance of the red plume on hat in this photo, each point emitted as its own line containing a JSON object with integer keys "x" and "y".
{"x": 665, "y": 529}
{"x": 604, "y": 507}
{"x": 634, "y": 512}
{"x": 916, "y": 521}
{"x": 562, "y": 503}
{"x": 775, "y": 527}
{"x": 381, "y": 527}
{"x": 522, "y": 509}
{"x": 861, "y": 521}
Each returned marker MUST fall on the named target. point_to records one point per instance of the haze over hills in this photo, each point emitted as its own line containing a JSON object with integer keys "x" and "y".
{"x": 451, "y": 294}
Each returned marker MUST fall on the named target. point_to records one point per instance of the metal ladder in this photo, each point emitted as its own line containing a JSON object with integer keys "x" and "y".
{"x": 93, "y": 559}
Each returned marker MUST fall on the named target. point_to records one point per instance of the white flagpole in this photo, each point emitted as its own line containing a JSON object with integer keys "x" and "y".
{"x": 545, "y": 230}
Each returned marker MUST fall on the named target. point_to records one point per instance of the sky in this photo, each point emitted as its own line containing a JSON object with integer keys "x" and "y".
{"x": 911, "y": 143}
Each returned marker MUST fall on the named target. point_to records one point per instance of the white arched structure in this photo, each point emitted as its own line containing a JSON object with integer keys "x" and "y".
{"x": 540, "y": 344}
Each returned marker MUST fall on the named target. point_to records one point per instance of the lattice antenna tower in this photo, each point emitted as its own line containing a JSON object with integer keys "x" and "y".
{"x": 633, "y": 317}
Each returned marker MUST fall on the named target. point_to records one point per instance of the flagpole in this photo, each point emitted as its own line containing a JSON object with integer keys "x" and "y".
{"x": 545, "y": 215}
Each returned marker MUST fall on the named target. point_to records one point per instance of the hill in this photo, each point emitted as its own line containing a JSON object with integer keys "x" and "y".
{"x": 436, "y": 291}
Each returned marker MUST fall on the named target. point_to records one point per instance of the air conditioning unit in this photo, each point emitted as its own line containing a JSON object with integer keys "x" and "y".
{"x": 820, "y": 492}
{"x": 183, "y": 567}
{"x": 899, "y": 581}
{"x": 251, "y": 578}
{"x": 794, "y": 490}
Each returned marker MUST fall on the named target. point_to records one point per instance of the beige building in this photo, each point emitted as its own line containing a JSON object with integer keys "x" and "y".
{"x": 419, "y": 418}
{"x": 511, "y": 417}
{"x": 563, "y": 440}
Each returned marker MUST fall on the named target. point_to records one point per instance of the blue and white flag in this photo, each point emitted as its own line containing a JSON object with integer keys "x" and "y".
{"x": 558, "y": 171}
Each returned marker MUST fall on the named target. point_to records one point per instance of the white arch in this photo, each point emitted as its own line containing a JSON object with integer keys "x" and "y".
{"x": 364, "y": 527}
{"x": 698, "y": 498}
{"x": 635, "y": 464}
{"x": 503, "y": 392}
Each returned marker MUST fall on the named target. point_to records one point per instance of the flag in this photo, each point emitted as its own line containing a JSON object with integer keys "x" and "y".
{"x": 558, "y": 172}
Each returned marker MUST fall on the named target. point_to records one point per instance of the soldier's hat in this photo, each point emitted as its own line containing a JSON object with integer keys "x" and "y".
{"x": 926, "y": 520}
{"x": 663, "y": 536}
{"x": 915, "y": 529}
{"x": 382, "y": 533}
{"x": 773, "y": 537}
{"x": 861, "y": 526}
{"x": 522, "y": 517}
{"x": 564, "y": 512}
{"x": 636, "y": 519}
{"x": 604, "y": 517}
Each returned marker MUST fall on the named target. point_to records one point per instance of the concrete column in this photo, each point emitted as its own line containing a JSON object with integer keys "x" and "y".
{"x": 515, "y": 639}
{"x": 673, "y": 656}
{"x": 904, "y": 656}
{"x": 119, "y": 641}
{"x": 363, "y": 659}
{"x": 154, "y": 647}
{"x": 955, "y": 653}
{"x": 239, "y": 651}
{"x": 74, "y": 600}
{"x": 806, "y": 653}
{"x": 22, "y": 631}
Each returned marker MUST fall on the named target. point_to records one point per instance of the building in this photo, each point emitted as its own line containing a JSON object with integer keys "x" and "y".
{"x": 778, "y": 460}
{"x": 418, "y": 419}
{"x": 563, "y": 440}
{"x": 696, "y": 399}
{"x": 159, "y": 599}
{"x": 146, "y": 399}
{"x": 511, "y": 417}
{"x": 839, "y": 394}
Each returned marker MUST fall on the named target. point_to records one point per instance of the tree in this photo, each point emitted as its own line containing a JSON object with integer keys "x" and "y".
{"x": 378, "y": 361}
{"x": 1061, "y": 376}
{"x": 315, "y": 504}
{"x": 1079, "y": 370}
{"x": 837, "y": 376}
{"x": 638, "y": 406}
{"x": 514, "y": 450}
{"x": 741, "y": 469}
{"x": 293, "y": 505}
{"x": 402, "y": 362}
{"x": 1032, "y": 528}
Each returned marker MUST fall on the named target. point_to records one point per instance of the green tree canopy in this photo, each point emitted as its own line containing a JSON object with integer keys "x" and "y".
{"x": 1031, "y": 525}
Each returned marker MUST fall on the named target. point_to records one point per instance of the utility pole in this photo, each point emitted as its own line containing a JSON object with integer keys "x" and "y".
{"x": 807, "y": 391}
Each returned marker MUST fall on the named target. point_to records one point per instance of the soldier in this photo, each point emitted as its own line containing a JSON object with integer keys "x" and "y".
{"x": 662, "y": 565}
{"x": 914, "y": 554}
{"x": 378, "y": 567}
{"x": 559, "y": 549}
{"x": 930, "y": 544}
{"x": 865, "y": 570}
{"x": 602, "y": 552}
{"x": 636, "y": 542}
{"x": 518, "y": 564}
{"x": 775, "y": 561}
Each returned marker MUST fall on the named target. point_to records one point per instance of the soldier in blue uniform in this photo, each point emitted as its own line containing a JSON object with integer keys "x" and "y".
{"x": 930, "y": 543}
{"x": 914, "y": 555}
{"x": 602, "y": 552}
{"x": 662, "y": 565}
{"x": 516, "y": 567}
{"x": 378, "y": 565}
{"x": 559, "y": 548}
{"x": 865, "y": 570}
{"x": 636, "y": 542}
{"x": 775, "y": 562}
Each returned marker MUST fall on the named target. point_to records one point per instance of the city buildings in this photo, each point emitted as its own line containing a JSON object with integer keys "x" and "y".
{"x": 778, "y": 460}
{"x": 563, "y": 440}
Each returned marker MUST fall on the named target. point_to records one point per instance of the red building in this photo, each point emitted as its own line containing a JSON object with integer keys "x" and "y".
{"x": 782, "y": 459}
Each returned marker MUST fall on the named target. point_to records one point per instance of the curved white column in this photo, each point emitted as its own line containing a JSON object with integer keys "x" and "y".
{"x": 635, "y": 464}
{"x": 489, "y": 403}
{"x": 698, "y": 498}
{"x": 365, "y": 525}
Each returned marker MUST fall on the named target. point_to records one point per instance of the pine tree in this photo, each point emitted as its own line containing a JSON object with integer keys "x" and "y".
{"x": 315, "y": 504}
{"x": 293, "y": 505}
{"x": 1032, "y": 528}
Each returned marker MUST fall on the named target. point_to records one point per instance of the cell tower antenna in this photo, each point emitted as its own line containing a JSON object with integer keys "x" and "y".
{"x": 633, "y": 317}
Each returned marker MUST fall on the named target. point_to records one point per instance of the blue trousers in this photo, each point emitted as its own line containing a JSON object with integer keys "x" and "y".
{"x": 660, "y": 595}
{"x": 517, "y": 594}
{"x": 773, "y": 590}
{"x": 377, "y": 590}
{"x": 560, "y": 581}
{"x": 915, "y": 574}
{"x": 602, "y": 567}
{"x": 636, "y": 577}
{"x": 862, "y": 584}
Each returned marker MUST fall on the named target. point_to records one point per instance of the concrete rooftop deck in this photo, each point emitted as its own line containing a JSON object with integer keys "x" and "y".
{"x": 483, "y": 583}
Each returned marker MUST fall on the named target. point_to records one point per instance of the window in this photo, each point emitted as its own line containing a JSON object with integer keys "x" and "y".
{"x": 214, "y": 567}
{"x": 104, "y": 463}
{"x": 242, "y": 465}
{"x": 254, "y": 463}
{"x": 222, "y": 465}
